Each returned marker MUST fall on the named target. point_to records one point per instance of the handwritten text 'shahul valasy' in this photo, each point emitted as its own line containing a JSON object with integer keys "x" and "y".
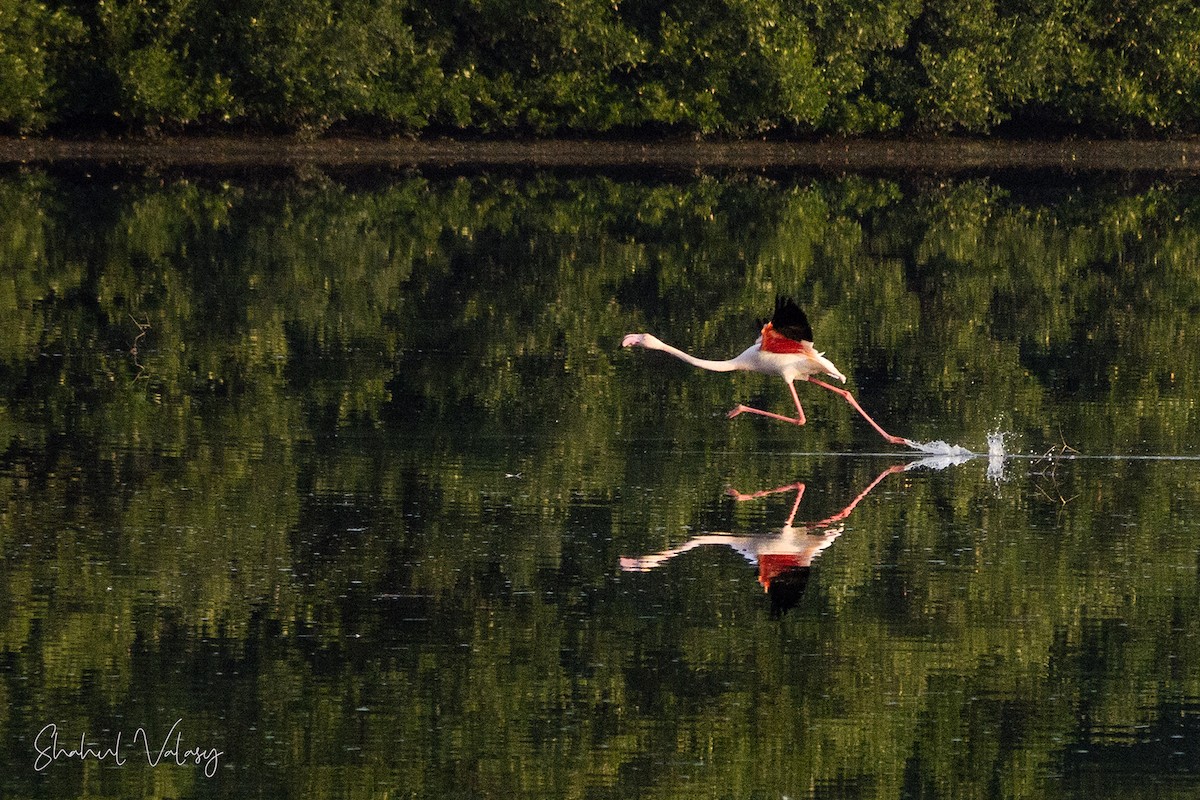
{"x": 171, "y": 749}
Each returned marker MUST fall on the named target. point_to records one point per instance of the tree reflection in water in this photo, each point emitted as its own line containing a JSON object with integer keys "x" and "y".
{"x": 290, "y": 507}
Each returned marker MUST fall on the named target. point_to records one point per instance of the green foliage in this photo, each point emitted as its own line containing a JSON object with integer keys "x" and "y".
{"x": 539, "y": 65}
{"x": 971, "y": 64}
{"x": 1139, "y": 68}
{"x": 548, "y": 67}
{"x": 853, "y": 41}
{"x": 310, "y": 63}
{"x": 32, "y": 37}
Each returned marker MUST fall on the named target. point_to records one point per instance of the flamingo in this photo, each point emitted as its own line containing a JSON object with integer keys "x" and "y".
{"x": 784, "y": 348}
{"x": 785, "y": 555}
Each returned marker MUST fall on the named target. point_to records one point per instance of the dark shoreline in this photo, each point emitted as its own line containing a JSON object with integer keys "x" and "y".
{"x": 936, "y": 155}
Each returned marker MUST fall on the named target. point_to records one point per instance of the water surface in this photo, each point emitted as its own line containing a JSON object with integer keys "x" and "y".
{"x": 345, "y": 477}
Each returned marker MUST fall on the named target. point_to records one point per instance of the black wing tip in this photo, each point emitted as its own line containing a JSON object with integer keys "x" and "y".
{"x": 790, "y": 320}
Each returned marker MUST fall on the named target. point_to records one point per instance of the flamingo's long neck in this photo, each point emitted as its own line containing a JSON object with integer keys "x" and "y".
{"x": 728, "y": 365}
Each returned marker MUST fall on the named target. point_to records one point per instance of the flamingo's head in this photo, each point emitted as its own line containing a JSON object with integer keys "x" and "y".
{"x": 641, "y": 340}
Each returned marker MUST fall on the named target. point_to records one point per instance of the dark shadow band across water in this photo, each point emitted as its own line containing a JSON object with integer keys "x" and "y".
{"x": 941, "y": 155}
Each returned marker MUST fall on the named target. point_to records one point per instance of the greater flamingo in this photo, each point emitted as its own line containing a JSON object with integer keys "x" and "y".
{"x": 784, "y": 348}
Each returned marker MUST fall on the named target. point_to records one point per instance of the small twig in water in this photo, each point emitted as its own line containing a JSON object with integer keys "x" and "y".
{"x": 133, "y": 348}
{"x": 1053, "y": 456}
{"x": 1060, "y": 450}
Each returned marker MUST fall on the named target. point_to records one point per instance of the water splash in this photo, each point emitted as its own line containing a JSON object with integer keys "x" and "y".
{"x": 996, "y": 454}
{"x": 938, "y": 462}
{"x": 940, "y": 448}
{"x": 942, "y": 454}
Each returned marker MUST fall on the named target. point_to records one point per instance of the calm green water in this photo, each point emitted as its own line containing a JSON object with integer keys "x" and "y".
{"x": 341, "y": 486}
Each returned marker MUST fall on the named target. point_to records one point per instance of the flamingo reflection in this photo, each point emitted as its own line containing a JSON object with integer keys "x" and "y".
{"x": 784, "y": 557}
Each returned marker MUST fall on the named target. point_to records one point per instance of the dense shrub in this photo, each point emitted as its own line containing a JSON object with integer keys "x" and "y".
{"x": 591, "y": 66}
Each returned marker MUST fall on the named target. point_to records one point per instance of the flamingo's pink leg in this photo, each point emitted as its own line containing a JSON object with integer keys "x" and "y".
{"x": 799, "y": 487}
{"x": 845, "y": 512}
{"x": 736, "y": 495}
{"x": 854, "y": 403}
{"x": 799, "y": 419}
